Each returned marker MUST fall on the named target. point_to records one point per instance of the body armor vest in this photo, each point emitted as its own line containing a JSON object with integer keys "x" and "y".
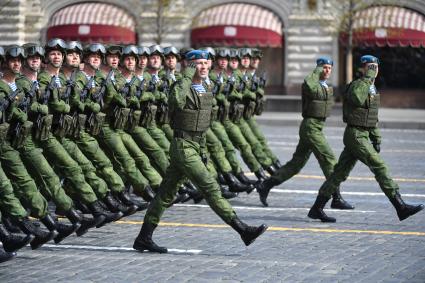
{"x": 317, "y": 108}
{"x": 236, "y": 111}
{"x": 365, "y": 116}
{"x": 194, "y": 120}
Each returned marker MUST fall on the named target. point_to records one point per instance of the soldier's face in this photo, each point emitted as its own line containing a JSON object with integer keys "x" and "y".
{"x": 14, "y": 65}
{"x": 245, "y": 62}
{"x": 234, "y": 63}
{"x": 112, "y": 60}
{"x": 129, "y": 63}
{"x": 365, "y": 68}
{"x": 222, "y": 63}
{"x": 326, "y": 73}
{"x": 73, "y": 59}
{"x": 255, "y": 62}
{"x": 155, "y": 62}
{"x": 143, "y": 62}
{"x": 201, "y": 68}
{"x": 55, "y": 58}
{"x": 94, "y": 60}
{"x": 34, "y": 63}
{"x": 171, "y": 62}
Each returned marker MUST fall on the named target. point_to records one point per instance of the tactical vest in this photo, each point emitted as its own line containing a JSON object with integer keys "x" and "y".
{"x": 194, "y": 120}
{"x": 223, "y": 111}
{"x": 260, "y": 104}
{"x": 365, "y": 116}
{"x": 317, "y": 108}
{"x": 62, "y": 122}
{"x": 148, "y": 115}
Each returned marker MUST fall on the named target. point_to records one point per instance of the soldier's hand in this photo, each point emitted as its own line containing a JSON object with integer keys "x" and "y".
{"x": 43, "y": 109}
{"x": 190, "y": 70}
{"x": 377, "y": 147}
{"x": 95, "y": 108}
{"x": 67, "y": 108}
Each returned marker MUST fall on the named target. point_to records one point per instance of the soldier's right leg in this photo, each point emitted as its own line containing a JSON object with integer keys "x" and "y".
{"x": 98, "y": 185}
{"x": 68, "y": 168}
{"x": 217, "y": 152}
{"x": 8, "y": 201}
{"x": 159, "y": 136}
{"x": 256, "y": 146}
{"x": 24, "y": 186}
{"x": 242, "y": 145}
{"x": 156, "y": 154}
{"x": 228, "y": 147}
{"x": 111, "y": 141}
{"x": 44, "y": 175}
{"x": 342, "y": 169}
{"x": 91, "y": 149}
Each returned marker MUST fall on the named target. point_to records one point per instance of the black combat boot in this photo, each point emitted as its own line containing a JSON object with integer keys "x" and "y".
{"x": 244, "y": 179}
{"x": 247, "y": 233}
{"x": 236, "y": 186}
{"x": 97, "y": 209}
{"x": 6, "y": 256}
{"x": 115, "y": 206}
{"x": 277, "y": 164}
{"x": 180, "y": 197}
{"x": 144, "y": 241}
{"x": 193, "y": 192}
{"x": 316, "y": 211}
{"x": 263, "y": 189}
{"x": 13, "y": 242}
{"x": 64, "y": 230}
{"x": 148, "y": 194}
{"x": 271, "y": 169}
{"x": 126, "y": 199}
{"x": 41, "y": 236}
{"x": 221, "y": 179}
{"x": 85, "y": 222}
{"x": 338, "y": 202}
{"x": 260, "y": 174}
{"x": 226, "y": 193}
{"x": 403, "y": 209}
{"x": 10, "y": 226}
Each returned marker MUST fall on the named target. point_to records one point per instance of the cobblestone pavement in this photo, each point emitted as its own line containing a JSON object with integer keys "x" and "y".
{"x": 368, "y": 244}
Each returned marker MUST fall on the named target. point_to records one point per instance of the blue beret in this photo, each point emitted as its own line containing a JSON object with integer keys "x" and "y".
{"x": 324, "y": 61}
{"x": 196, "y": 54}
{"x": 369, "y": 59}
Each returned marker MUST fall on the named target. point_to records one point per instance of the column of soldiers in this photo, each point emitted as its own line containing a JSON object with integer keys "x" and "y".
{"x": 96, "y": 130}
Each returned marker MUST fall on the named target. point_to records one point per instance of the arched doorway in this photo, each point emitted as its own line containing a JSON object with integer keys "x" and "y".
{"x": 396, "y": 35}
{"x": 244, "y": 25}
{"x": 93, "y": 22}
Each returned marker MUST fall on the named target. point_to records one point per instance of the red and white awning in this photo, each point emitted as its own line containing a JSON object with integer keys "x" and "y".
{"x": 389, "y": 26}
{"x": 93, "y": 22}
{"x": 237, "y": 24}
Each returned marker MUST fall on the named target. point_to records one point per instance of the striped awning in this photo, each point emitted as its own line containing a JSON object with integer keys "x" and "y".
{"x": 389, "y": 26}
{"x": 237, "y": 24}
{"x": 89, "y": 22}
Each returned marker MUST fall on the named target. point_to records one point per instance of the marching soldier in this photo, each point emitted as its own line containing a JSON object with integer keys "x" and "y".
{"x": 191, "y": 113}
{"x": 317, "y": 98}
{"x": 159, "y": 89}
{"x": 362, "y": 142}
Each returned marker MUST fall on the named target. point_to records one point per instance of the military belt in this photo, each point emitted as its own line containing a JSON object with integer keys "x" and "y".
{"x": 192, "y": 136}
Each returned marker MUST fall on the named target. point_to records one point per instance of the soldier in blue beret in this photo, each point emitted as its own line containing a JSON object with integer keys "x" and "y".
{"x": 362, "y": 142}
{"x": 190, "y": 109}
{"x": 317, "y": 102}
